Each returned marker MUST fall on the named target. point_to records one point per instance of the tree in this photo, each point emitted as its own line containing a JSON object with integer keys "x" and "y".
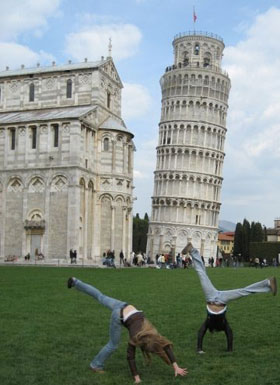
{"x": 265, "y": 233}
{"x": 237, "y": 247}
{"x": 259, "y": 233}
{"x": 244, "y": 234}
{"x": 140, "y": 230}
{"x": 246, "y": 230}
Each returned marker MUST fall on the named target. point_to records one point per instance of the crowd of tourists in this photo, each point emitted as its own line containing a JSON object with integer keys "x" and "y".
{"x": 180, "y": 261}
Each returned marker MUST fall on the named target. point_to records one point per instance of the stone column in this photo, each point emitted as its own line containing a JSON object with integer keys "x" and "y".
{"x": 112, "y": 247}
{"x": 73, "y": 214}
{"x": 150, "y": 245}
{"x": 129, "y": 230}
{"x": 202, "y": 246}
{"x": 173, "y": 247}
{"x": 48, "y": 182}
{"x": 124, "y": 153}
{"x": 3, "y": 224}
{"x": 96, "y": 231}
{"x": 113, "y": 156}
{"x": 93, "y": 238}
{"x": 160, "y": 243}
{"x": 124, "y": 243}
{"x": 24, "y": 216}
{"x": 85, "y": 233}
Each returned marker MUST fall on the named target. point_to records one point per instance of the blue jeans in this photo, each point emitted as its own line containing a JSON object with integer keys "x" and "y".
{"x": 115, "y": 322}
{"x": 214, "y": 295}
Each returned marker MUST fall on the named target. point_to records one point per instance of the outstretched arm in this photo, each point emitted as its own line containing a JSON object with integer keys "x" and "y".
{"x": 132, "y": 364}
{"x": 177, "y": 370}
{"x": 229, "y": 335}
{"x": 200, "y": 336}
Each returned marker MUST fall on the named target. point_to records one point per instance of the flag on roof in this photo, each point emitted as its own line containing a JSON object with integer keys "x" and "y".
{"x": 194, "y": 15}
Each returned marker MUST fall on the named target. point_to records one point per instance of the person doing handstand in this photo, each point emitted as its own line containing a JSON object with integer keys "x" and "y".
{"x": 216, "y": 300}
{"x": 142, "y": 333}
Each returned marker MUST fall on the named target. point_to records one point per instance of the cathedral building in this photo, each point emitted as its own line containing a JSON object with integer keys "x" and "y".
{"x": 190, "y": 151}
{"x": 66, "y": 162}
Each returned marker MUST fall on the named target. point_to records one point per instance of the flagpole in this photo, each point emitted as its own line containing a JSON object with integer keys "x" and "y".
{"x": 194, "y": 19}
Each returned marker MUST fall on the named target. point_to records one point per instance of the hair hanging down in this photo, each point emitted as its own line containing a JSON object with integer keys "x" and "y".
{"x": 150, "y": 341}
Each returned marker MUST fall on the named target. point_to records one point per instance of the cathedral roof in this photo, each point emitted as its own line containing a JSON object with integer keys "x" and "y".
{"x": 44, "y": 114}
{"x": 53, "y": 68}
{"x": 113, "y": 124}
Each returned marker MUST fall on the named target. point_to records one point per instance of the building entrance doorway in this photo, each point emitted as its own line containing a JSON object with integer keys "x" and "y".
{"x": 35, "y": 247}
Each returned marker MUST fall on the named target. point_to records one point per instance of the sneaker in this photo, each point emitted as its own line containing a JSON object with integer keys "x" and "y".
{"x": 273, "y": 285}
{"x": 97, "y": 370}
{"x": 200, "y": 352}
{"x": 70, "y": 282}
{"x": 187, "y": 249}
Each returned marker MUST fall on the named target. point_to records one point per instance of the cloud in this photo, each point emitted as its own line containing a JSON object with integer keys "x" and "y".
{"x": 137, "y": 174}
{"x": 136, "y": 101}
{"x": 19, "y": 16}
{"x": 253, "y": 138}
{"x": 145, "y": 163}
{"x": 13, "y": 55}
{"x": 92, "y": 41}
{"x": 253, "y": 66}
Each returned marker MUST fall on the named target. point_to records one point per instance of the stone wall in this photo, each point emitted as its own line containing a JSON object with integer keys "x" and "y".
{"x": 65, "y": 191}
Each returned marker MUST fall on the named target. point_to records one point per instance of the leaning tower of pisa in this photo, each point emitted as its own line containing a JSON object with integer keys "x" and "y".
{"x": 190, "y": 151}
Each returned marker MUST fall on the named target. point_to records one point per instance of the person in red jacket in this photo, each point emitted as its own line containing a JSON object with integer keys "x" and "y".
{"x": 142, "y": 333}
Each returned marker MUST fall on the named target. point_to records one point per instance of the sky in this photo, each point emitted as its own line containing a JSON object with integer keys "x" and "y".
{"x": 142, "y": 32}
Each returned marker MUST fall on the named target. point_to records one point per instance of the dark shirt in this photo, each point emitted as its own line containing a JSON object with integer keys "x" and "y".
{"x": 215, "y": 322}
{"x": 134, "y": 325}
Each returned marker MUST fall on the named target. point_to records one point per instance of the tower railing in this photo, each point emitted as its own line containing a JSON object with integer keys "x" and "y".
{"x": 211, "y": 68}
{"x": 198, "y": 33}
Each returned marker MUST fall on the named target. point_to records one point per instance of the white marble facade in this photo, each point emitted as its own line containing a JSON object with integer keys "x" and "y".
{"x": 190, "y": 151}
{"x": 66, "y": 162}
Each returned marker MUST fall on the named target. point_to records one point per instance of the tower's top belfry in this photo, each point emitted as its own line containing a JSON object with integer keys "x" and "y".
{"x": 198, "y": 49}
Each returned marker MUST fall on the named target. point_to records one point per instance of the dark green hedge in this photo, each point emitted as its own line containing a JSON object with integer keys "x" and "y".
{"x": 268, "y": 250}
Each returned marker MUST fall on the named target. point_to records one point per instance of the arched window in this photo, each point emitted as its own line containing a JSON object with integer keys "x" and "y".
{"x": 185, "y": 58}
{"x": 31, "y": 92}
{"x": 206, "y": 62}
{"x": 35, "y": 215}
{"x": 12, "y": 138}
{"x": 55, "y": 134}
{"x": 106, "y": 144}
{"x": 196, "y": 49}
{"x": 33, "y": 137}
{"x": 108, "y": 99}
{"x": 69, "y": 89}
{"x": 207, "y": 59}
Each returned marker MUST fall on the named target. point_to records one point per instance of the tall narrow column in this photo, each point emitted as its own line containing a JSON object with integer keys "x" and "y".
{"x": 197, "y": 83}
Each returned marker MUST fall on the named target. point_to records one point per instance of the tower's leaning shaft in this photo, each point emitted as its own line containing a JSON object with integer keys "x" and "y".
{"x": 190, "y": 151}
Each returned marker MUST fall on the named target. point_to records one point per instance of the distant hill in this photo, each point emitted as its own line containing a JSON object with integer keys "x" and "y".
{"x": 226, "y": 226}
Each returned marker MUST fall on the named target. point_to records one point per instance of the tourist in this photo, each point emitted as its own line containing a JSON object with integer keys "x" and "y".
{"x": 216, "y": 300}
{"x": 142, "y": 333}
{"x": 121, "y": 258}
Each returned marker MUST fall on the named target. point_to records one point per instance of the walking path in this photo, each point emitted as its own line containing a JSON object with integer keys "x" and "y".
{"x": 57, "y": 262}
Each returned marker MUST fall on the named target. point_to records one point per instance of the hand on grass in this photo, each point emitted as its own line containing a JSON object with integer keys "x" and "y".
{"x": 137, "y": 379}
{"x": 178, "y": 370}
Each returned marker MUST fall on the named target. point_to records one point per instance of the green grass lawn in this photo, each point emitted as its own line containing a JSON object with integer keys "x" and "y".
{"x": 49, "y": 334}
